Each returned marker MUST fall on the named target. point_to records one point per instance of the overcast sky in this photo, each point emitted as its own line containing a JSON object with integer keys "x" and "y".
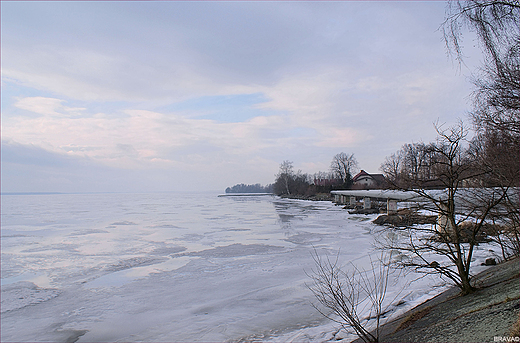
{"x": 188, "y": 96}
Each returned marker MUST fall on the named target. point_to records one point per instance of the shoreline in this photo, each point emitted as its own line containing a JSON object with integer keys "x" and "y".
{"x": 490, "y": 314}
{"x": 315, "y": 197}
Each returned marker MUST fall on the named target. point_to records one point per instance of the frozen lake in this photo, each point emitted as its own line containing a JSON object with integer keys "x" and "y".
{"x": 174, "y": 267}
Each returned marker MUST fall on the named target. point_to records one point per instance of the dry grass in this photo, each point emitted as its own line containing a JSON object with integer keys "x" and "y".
{"x": 515, "y": 329}
{"x": 412, "y": 318}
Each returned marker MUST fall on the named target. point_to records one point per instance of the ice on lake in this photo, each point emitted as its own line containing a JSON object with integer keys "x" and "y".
{"x": 175, "y": 267}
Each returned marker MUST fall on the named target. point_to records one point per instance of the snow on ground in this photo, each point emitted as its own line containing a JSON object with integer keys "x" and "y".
{"x": 178, "y": 268}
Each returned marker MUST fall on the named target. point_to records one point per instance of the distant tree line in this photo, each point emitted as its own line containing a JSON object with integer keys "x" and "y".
{"x": 289, "y": 182}
{"x": 256, "y": 188}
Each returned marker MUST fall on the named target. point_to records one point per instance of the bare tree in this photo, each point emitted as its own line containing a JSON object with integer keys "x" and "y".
{"x": 496, "y": 101}
{"x": 346, "y": 295}
{"x": 392, "y": 165}
{"x": 284, "y": 177}
{"x": 497, "y": 85}
{"x": 289, "y": 182}
{"x": 343, "y": 166}
{"x": 463, "y": 209}
{"x": 411, "y": 164}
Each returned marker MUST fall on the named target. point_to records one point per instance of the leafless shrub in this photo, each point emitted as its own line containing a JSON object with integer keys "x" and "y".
{"x": 346, "y": 295}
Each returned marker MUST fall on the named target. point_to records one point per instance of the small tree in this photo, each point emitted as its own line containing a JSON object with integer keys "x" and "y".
{"x": 348, "y": 294}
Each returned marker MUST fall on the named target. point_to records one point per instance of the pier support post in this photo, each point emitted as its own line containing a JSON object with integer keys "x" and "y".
{"x": 391, "y": 206}
{"x": 366, "y": 203}
{"x": 352, "y": 201}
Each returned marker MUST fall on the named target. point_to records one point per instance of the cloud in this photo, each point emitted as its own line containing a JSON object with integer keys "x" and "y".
{"x": 140, "y": 138}
{"x": 29, "y": 168}
{"x": 30, "y": 155}
{"x": 223, "y": 90}
{"x": 180, "y": 51}
{"x": 87, "y": 75}
{"x": 47, "y": 106}
{"x": 343, "y": 137}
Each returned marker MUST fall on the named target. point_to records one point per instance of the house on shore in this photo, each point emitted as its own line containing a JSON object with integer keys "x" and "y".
{"x": 364, "y": 180}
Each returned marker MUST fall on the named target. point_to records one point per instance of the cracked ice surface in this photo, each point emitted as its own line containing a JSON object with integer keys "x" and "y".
{"x": 173, "y": 267}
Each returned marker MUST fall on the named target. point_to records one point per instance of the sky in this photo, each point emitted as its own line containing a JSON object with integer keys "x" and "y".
{"x": 193, "y": 96}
